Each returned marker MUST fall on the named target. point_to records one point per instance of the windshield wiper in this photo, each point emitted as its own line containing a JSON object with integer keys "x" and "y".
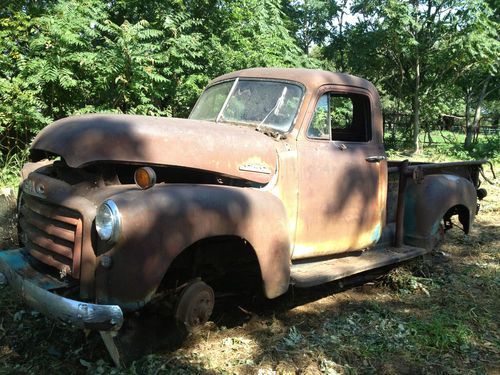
{"x": 276, "y": 108}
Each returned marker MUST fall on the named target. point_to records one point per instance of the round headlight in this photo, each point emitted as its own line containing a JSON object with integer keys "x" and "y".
{"x": 107, "y": 221}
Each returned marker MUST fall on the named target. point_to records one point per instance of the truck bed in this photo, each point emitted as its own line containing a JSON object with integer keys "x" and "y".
{"x": 467, "y": 169}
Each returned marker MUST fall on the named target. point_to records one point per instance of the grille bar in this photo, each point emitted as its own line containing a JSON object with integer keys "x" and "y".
{"x": 47, "y": 210}
{"x": 48, "y": 257}
{"x": 48, "y": 226}
{"x": 42, "y": 239}
{"x": 51, "y": 234}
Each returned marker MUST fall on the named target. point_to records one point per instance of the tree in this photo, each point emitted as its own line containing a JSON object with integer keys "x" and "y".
{"x": 65, "y": 57}
{"x": 310, "y": 21}
{"x": 479, "y": 64}
{"x": 19, "y": 104}
{"x": 63, "y": 60}
{"x": 410, "y": 50}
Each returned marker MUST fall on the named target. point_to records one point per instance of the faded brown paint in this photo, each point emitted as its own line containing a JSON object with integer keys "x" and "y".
{"x": 428, "y": 201}
{"x": 83, "y": 200}
{"x": 344, "y": 209}
{"x": 317, "y": 199}
{"x": 308, "y": 208}
{"x": 203, "y": 145}
{"x": 52, "y": 234}
{"x": 163, "y": 221}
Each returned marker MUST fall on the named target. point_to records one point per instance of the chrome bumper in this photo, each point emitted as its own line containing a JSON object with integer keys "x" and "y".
{"x": 34, "y": 287}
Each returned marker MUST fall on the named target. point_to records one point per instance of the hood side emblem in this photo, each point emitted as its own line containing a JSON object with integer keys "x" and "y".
{"x": 257, "y": 168}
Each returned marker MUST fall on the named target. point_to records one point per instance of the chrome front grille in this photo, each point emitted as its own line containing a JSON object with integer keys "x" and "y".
{"x": 52, "y": 234}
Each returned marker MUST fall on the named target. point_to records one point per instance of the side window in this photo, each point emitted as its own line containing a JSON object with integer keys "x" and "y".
{"x": 341, "y": 112}
{"x": 342, "y": 117}
{"x": 320, "y": 124}
{"x": 350, "y": 114}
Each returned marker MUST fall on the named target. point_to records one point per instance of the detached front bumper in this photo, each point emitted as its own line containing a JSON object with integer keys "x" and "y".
{"x": 34, "y": 288}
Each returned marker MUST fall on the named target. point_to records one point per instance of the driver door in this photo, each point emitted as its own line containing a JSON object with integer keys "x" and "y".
{"x": 341, "y": 203}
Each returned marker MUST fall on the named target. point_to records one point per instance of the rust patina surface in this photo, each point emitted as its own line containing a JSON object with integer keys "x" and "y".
{"x": 142, "y": 140}
{"x": 281, "y": 187}
{"x": 325, "y": 196}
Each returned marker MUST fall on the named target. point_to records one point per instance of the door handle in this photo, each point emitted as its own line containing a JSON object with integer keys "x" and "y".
{"x": 342, "y": 147}
{"x": 375, "y": 158}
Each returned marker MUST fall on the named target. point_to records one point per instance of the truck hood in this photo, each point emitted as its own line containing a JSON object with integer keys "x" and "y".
{"x": 231, "y": 150}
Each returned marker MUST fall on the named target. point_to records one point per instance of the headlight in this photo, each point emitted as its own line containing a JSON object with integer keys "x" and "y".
{"x": 108, "y": 221}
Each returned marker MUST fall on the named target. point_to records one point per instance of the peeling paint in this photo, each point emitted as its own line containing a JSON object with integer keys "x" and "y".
{"x": 376, "y": 233}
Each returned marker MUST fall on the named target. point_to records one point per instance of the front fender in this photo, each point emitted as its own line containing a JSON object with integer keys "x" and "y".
{"x": 159, "y": 223}
{"x": 426, "y": 203}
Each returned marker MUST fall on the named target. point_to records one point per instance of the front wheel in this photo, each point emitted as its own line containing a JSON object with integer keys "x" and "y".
{"x": 195, "y": 304}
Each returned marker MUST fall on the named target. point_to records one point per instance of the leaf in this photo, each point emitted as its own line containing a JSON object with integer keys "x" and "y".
{"x": 85, "y": 363}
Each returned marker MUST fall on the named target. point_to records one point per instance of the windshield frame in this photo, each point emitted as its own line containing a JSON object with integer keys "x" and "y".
{"x": 235, "y": 81}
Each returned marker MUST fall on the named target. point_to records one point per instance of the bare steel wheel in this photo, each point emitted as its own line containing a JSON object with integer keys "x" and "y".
{"x": 195, "y": 304}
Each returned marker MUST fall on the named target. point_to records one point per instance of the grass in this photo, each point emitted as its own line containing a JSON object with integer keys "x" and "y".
{"x": 448, "y": 146}
{"x": 437, "y": 315}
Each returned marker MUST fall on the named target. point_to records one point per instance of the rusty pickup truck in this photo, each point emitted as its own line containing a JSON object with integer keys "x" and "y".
{"x": 278, "y": 178}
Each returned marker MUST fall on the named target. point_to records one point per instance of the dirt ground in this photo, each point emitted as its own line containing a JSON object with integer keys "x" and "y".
{"x": 437, "y": 315}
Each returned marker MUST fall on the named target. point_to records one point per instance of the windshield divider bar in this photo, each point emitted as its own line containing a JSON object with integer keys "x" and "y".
{"x": 227, "y": 99}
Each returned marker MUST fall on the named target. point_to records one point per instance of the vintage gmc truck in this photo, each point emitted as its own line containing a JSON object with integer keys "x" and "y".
{"x": 278, "y": 177}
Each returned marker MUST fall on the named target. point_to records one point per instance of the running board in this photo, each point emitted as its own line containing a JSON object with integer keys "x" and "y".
{"x": 304, "y": 275}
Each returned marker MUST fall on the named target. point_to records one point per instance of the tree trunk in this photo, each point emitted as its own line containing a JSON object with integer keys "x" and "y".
{"x": 477, "y": 114}
{"x": 416, "y": 97}
{"x": 416, "y": 108}
{"x": 428, "y": 130}
{"x": 341, "y": 37}
{"x": 468, "y": 127}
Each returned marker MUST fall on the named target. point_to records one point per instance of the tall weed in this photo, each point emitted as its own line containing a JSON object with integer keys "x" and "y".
{"x": 10, "y": 167}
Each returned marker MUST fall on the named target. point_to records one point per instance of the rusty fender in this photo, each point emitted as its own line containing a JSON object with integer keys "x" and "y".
{"x": 159, "y": 223}
{"x": 429, "y": 200}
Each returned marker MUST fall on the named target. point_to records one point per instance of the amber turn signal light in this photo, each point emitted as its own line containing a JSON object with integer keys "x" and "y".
{"x": 145, "y": 177}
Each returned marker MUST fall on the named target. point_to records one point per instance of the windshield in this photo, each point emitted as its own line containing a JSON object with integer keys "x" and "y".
{"x": 250, "y": 102}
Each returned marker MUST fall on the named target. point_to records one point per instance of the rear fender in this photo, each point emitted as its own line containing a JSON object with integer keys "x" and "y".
{"x": 428, "y": 201}
{"x": 159, "y": 223}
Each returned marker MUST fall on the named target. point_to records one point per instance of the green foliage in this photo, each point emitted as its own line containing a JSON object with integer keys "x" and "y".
{"x": 442, "y": 332}
{"x": 64, "y": 57}
{"x": 253, "y": 34}
{"x": 418, "y": 53}
{"x": 132, "y": 75}
{"x": 10, "y": 166}
{"x": 153, "y": 58}
{"x": 19, "y": 103}
{"x": 310, "y": 21}
{"x": 486, "y": 148}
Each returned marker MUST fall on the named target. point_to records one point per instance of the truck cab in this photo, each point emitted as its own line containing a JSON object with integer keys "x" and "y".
{"x": 332, "y": 173}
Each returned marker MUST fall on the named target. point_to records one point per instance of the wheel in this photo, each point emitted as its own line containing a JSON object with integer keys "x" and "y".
{"x": 195, "y": 305}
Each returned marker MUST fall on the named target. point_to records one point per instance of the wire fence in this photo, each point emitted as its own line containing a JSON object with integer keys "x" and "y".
{"x": 399, "y": 126}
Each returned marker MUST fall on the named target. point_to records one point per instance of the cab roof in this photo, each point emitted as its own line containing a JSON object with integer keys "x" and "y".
{"x": 312, "y": 79}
